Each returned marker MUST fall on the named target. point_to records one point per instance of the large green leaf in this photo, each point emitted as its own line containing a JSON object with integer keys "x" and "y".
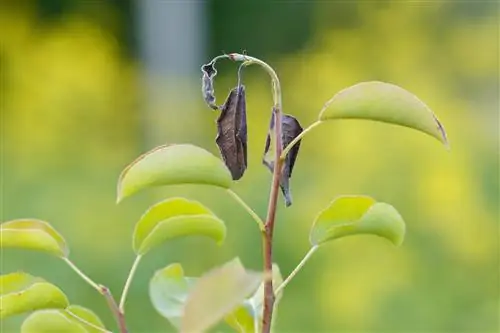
{"x": 216, "y": 294}
{"x": 88, "y": 319}
{"x": 168, "y": 290}
{"x": 354, "y": 215}
{"x": 51, "y": 321}
{"x": 245, "y": 316}
{"x": 383, "y": 102}
{"x": 173, "y": 165}
{"x": 20, "y": 293}
{"x": 32, "y": 234}
{"x": 176, "y": 217}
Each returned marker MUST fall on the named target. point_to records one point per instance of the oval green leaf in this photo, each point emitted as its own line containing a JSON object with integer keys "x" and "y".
{"x": 354, "y": 215}
{"x": 173, "y": 165}
{"x": 384, "y": 102}
{"x": 20, "y": 293}
{"x": 32, "y": 234}
{"x": 168, "y": 291}
{"x": 85, "y": 317}
{"x": 50, "y": 321}
{"x": 216, "y": 294}
{"x": 176, "y": 217}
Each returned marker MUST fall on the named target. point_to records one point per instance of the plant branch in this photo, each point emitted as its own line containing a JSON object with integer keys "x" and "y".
{"x": 120, "y": 319}
{"x": 267, "y": 234}
{"x": 129, "y": 282}
{"x": 248, "y": 209}
{"x": 119, "y": 316}
{"x": 296, "y": 269}
{"x": 298, "y": 137}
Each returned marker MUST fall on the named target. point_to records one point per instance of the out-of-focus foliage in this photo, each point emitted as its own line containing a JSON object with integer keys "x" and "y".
{"x": 72, "y": 115}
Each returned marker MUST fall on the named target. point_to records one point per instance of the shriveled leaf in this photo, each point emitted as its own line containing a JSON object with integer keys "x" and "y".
{"x": 89, "y": 320}
{"x": 174, "y": 218}
{"x": 232, "y": 132}
{"x": 290, "y": 128}
{"x": 173, "y": 165}
{"x": 20, "y": 293}
{"x": 354, "y": 215}
{"x": 216, "y": 294}
{"x": 384, "y": 102}
{"x": 168, "y": 291}
{"x": 161, "y": 212}
{"x": 207, "y": 84}
{"x": 32, "y": 234}
{"x": 51, "y": 321}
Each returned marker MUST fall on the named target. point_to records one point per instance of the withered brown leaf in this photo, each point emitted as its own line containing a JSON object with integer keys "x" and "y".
{"x": 290, "y": 128}
{"x": 207, "y": 84}
{"x": 232, "y": 132}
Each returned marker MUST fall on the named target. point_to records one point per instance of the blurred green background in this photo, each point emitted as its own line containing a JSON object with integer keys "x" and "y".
{"x": 86, "y": 86}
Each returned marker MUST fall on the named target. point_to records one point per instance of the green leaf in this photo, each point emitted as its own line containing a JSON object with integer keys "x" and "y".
{"x": 75, "y": 319}
{"x": 383, "y": 102}
{"x": 216, "y": 294}
{"x": 173, "y": 165}
{"x": 20, "y": 293}
{"x": 176, "y": 217}
{"x": 354, "y": 215}
{"x": 50, "y": 321}
{"x": 244, "y": 317}
{"x": 88, "y": 316}
{"x": 32, "y": 234}
{"x": 168, "y": 290}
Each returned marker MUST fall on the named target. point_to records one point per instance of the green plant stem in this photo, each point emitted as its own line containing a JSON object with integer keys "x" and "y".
{"x": 85, "y": 322}
{"x": 296, "y": 269}
{"x": 129, "y": 282}
{"x": 82, "y": 274}
{"x": 248, "y": 209}
{"x": 119, "y": 317}
{"x": 298, "y": 137}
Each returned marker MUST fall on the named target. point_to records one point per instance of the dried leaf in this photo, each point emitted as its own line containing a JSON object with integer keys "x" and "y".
{"x": 207, "y": 84}
{"x": 232, "y": 132}
{"x": 290, "y": 128}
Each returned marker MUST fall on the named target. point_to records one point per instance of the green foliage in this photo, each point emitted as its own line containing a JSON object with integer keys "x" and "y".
{"x": 245, "y": 299}
{"x": 172, "y": 165}
{"x": 355, "y": 215}
{"x": 383, "y": 102}
{"x": 216, "y": 294}
{"x": 168, "y": 291}
{"x": 32, "y": 234}
{"x": 74, "y": 319}
{"x": 176, "y": 217}
{"x": 21, "y": 293}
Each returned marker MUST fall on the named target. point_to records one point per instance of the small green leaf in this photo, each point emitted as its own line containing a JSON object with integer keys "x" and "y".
{"x": 168, "y": 290}
{"x": 216, "y": 294}
{"x": 384, "y": 102}
{"x": 50, "y": 321}
{"x": 86, "y": 316}
{"x": 32, "y": 234}
{"x": 242, "y": 318}
{"x": 173, "y": 165}
{"x": 353, "y": 215}
{"x": 176, "y": 217}
{"x": 20, "y": 293}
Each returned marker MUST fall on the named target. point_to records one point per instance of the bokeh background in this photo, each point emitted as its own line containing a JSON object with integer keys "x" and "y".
{"x": 87, "y": 86}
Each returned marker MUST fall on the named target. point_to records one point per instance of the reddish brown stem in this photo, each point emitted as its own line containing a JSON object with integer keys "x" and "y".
{"x": 119, "y": 316}
{"x": 269, "y": 296}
